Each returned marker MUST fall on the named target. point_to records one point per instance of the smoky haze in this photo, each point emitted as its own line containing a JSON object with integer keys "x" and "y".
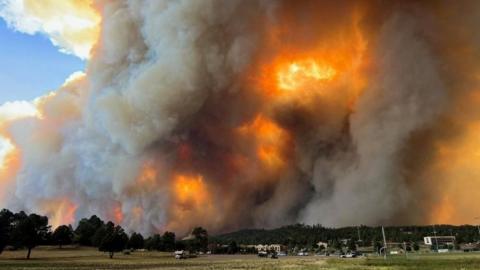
{"x": 233, "y": 114}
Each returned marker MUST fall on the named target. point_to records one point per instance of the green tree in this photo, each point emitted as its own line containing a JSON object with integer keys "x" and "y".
{"x": 96, "y": 239}
{"x": 337, "y": 245}
{"x": 115, "y": 239}
{"x": 136, "y": 241}
{"x": 232, "y": 248}
{"x": 86, "y": 229}
{"x": 200, "y": 241}
{"x": 168, "y": 241}
{"x": 352, "y": 246}
{"x": 6, "y": 218}
{"x": 63, "y": 235}
{"x": 29, "y": 231}
{"x": 154, "y": 242}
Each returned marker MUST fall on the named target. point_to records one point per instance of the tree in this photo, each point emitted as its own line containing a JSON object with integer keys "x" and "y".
{"x": 200, "y": 241}
{"x": 6, "y": 218}
{"x": 29, "y": 231}
{"x": 136, "y": 241}
{"x": 168, "y": 241}
{"x": 114, "y": 240}
{"x": 63, "y": 235}
{"x": 352, "y": 246}
{"x": 337, "y": 245}
{"x": 154, "y": 242}
{"x": 232, "y": 248}
{"x": 96, "y": 239}
{"x": 86, "y": 229}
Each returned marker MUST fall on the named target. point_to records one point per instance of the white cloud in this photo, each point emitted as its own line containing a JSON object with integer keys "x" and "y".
{"x": 71, "y": 25}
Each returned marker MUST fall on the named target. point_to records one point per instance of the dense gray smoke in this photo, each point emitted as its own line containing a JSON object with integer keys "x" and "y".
{"x": 231, "y": 114}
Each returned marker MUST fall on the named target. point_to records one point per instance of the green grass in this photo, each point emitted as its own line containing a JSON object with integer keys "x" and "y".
{"x": 87, "y": 258}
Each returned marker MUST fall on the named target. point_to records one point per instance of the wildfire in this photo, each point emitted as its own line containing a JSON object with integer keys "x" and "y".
{"x": 9, "y": 165}
{"x": 269, "y": 138}
{"x": 118, "y": 214}
{"x": 191, "y": 200}
{"x": 190, "y": 190}
{"x": 148, "y": 174}
{"x": 456, "y": 160}
{"x": 300, "y": 73}
{"x": 60, "y": 211}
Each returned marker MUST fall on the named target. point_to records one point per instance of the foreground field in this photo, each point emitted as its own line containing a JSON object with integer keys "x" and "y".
{"x": 84, "y": 258}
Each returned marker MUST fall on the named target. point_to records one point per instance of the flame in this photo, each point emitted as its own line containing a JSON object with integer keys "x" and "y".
{"x": 190, "y": 190}
{"x": 118, "y": 214}
{"x": 269, "y": 138}
{"x": 300, "y": 73}
{"x": 191, "y": 200}
{"x": 59, "y": 211}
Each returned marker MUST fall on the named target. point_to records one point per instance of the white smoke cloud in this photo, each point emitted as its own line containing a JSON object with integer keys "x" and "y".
{"x": 169, "y": 84}
{"x": 70, "y": 25}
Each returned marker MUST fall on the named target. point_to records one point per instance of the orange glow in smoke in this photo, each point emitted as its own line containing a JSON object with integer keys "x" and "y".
{"x": 190, "y": 190}
{"x": 270, "y": 140}
{"x": 298, "y": 74}
{"x": 148, "y": 174}
{"x": 59, "y": 211}
{"x": 8, "y": 169}
{"x": 457, "y": 171}
{"x": 191, "y": 201}
{"x": 118, "y": 214}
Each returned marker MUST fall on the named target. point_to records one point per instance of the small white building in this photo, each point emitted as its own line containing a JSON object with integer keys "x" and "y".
{"x": 324, "y": 244}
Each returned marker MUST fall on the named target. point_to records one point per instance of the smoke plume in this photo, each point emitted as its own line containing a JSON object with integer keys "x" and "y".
{"x": 232, "y": 114}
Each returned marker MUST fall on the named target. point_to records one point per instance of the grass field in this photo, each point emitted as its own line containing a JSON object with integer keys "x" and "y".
{"x": 86, "y": 258}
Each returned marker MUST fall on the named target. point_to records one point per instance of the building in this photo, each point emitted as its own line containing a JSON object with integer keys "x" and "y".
{"x": 439, "y": 240}
{"x": 324, "y": 244}
{"x": 265, "y": 248}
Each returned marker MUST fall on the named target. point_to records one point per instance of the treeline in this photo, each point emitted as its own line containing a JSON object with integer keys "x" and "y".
{"x": 19, "y": 230}
{"x": 308, "y": 236}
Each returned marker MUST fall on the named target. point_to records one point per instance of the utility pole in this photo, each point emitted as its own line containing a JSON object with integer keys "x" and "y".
{"x": 384, "y": 244}
{"x": 435, "y": 235}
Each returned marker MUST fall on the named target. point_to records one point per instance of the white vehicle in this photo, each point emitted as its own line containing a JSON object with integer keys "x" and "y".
{"x": 181, "y": 254}
{"x": 302, "y": 253}
{"x": 348, "y": 255}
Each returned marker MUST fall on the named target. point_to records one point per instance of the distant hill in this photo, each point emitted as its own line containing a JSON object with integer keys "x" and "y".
{"x": 306, "y": 235}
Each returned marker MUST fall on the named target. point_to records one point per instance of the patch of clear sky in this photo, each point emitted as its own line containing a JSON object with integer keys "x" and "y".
{"x": 31, "y": 66}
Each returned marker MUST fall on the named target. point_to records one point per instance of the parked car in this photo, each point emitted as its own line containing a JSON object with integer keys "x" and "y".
{"x": 273, "y": 255}
{"x": 182, "y": 254}
{"x": 262, "y": 254}
{"x": 349, "y": 255}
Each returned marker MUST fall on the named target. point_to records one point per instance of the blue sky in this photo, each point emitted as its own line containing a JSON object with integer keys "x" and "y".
{"x": 31, "y": 66}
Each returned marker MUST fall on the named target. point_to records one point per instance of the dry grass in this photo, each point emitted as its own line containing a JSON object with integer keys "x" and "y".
{"x": 87, "y": 258}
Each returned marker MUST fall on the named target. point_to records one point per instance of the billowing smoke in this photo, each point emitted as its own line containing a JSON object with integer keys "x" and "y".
{"x": 231, "y": 114}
